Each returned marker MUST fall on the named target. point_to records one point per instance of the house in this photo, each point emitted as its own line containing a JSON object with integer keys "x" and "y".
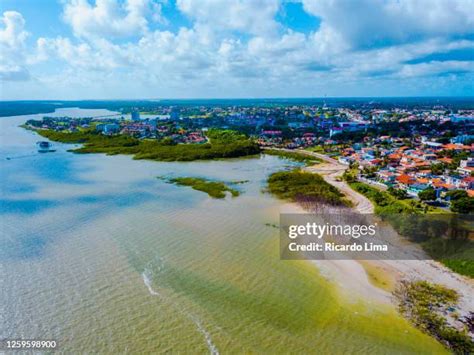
{"x": 107, "y": 128}
{"x": 466, "y": 167}
{"x": 462, "y": 139}
{"x": 445, "y": 160}
{"x": 454, "y": 180}
{"x": 386, "y": 176}
{"x": 467, "y": 183}
{"x": 404, "y": 181}
{"x": 416, "y": 188}
{"x": 456, "y": 147}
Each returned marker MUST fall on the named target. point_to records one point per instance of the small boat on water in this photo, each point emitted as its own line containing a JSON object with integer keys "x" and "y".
{"x": 45, "y": 147}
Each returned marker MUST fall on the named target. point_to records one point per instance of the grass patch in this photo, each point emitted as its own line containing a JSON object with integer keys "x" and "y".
{"x": 297, "y": 185}
{"x": 462, "y": 262}
{"x": 425, "y": 305}
{"x": 215, "y": 189}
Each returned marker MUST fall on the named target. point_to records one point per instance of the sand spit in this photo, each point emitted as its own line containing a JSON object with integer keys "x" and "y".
{"x": 352, "y": 275}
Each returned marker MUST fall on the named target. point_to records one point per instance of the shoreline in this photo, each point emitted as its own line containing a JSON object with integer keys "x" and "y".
{"x": 355, "y": 275}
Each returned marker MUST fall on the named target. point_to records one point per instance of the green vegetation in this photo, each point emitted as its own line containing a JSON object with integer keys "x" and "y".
{"x": 350, "y": 174}
{"x": 214, "y": 189}
{"x": 399, "y": 194}
{"x": 386, "y": 203}
{"x": 456, "y": 194}
{"x": 316, "y": 148}
{"x": 330, "y": 150}
{"x": 296, "y": 156}
{"x": 424, "y": 304}
{"x": 463, "y": 205}
{"x": 300, "y": 186}
{"x": 460, "y": 201}
{"x": 437, "y": 169}
{"x": 428, "y": 194}
{"x": 224, "y": 144}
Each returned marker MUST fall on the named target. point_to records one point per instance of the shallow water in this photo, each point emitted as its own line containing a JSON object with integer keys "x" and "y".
{"x": 99, "y": 254}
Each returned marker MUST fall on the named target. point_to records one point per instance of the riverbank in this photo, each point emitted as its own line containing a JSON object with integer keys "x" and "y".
{"x": 361, "y": 277}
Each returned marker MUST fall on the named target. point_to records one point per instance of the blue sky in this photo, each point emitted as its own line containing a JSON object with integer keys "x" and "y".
{"x": 98, "y": 49}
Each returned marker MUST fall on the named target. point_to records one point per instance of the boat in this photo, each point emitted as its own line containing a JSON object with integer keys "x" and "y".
{"x": 45, "y": 147}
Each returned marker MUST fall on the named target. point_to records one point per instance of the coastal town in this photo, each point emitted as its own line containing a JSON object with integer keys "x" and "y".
{"x": 422, "y": 153}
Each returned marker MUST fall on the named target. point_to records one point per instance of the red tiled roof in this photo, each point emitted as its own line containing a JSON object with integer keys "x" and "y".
{"x": 456, "y": 146}
{"x": 446, "y": 160}
{"x": 405, "y": 179}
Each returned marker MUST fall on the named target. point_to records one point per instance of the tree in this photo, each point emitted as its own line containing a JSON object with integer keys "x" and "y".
{"x": 350, "y": 175}
{"x": 463, "y": 205}
{"x": 428, "y": 194}
{"x": 437, "y": 169}
{"x": 399, "y": 194}
{"x": 456, "y": 194}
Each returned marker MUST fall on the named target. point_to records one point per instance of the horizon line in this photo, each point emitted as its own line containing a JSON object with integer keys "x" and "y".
{"x": 245, "y": 98}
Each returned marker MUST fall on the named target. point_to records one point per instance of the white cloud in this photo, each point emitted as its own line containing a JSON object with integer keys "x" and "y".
{"x": 108, "y": 18}
{"x": 81, "y": 55}
{"x": 369, "y": 22}
{"x": 12, "y": 47}
{"x": 13, "y": 33}
{"x": 248, "y": 16}
{"x": 435, "y": 68}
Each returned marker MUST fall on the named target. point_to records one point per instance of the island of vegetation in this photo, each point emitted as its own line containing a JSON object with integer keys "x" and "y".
{"x": 221, "y": 144}
{"x": 215, "y": 189}
{"x": 300, "y": 186}
{"x": 428, "y": 307}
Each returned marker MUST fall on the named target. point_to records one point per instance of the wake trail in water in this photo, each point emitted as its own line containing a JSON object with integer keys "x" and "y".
{"x": 21, "y": 156}
{"x": 147, "y": 282}
{"x": 207, "y": 336}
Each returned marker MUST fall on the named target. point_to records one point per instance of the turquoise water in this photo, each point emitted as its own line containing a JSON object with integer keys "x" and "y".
{"x": 99, "y": 254}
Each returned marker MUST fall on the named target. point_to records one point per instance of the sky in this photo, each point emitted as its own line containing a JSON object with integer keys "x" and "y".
{"x": 139, "y": 49}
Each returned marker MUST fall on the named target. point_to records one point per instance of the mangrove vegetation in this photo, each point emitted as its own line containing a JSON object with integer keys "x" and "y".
{"x": 215, "y": 189}
{"x": 222, "y": 144}
{"x": 300, "y": 186}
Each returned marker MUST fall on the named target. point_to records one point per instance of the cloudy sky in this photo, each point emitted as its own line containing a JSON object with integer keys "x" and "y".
{"x": 93, "y": 49}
